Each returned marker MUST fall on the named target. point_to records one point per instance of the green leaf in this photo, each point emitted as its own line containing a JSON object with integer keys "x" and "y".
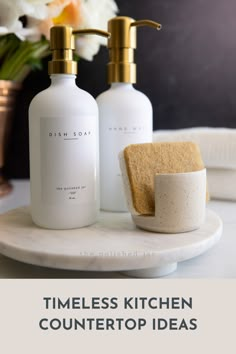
{"x": 18, "y": 57}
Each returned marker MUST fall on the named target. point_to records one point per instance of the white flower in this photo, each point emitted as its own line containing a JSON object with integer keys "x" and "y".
{"x": 40, "y": 17}
{"x": 12, "y": 10}
{"x": 9, "y": 17}
{"x": 34, "y": 8}
{"x": 95, "y": 14}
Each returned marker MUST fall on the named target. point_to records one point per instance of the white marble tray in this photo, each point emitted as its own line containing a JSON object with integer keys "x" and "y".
{"x": 113, "y": 244}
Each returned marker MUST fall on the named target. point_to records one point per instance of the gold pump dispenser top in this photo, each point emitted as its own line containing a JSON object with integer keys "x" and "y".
{"x": 121, "y": 45}
{"x": 62, "y": 44}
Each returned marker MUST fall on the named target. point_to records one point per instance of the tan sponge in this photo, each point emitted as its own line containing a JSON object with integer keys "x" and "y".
{"x": 143, "y": 161}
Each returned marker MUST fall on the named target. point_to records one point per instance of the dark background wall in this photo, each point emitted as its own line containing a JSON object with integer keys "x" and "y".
{"x": 188, "y": 70}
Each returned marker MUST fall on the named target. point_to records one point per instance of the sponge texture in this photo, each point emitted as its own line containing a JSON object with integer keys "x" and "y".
{"x": 143, "y": 161}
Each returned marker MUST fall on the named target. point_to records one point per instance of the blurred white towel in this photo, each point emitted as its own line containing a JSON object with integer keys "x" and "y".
{"x": 218, "y": 148}
{"x": 218, "y": 145}
{"x": 222, "y": 183}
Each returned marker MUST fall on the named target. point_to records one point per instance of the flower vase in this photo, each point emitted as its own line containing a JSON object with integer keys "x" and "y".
{"x": 8, "y": 93}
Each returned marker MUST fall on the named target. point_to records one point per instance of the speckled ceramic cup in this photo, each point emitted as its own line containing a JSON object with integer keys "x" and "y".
{"x": 180, "y": 201}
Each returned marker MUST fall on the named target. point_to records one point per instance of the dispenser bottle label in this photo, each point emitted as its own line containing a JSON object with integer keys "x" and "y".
{"x": 68, "y": 159}
{"x": 120, "y": 136}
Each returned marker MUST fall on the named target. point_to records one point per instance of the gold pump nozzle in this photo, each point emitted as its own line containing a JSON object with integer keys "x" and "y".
{"x": 92, "y": 31}
{"x": 148, "y": 23}
{"x": 121, "y": 45}
{"x": 62, "y": 44}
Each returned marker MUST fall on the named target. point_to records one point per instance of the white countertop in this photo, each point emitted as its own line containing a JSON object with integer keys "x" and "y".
{"x": 219, "y": 262}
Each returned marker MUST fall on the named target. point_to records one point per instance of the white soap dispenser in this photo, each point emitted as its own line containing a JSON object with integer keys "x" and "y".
{"x": 125, "y": 114}
{"x": 63, "y": 131}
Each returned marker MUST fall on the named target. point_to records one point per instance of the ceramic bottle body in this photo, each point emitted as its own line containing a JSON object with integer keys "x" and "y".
{"x": 63, "y": 128}
{"x": 125, "y": 117}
